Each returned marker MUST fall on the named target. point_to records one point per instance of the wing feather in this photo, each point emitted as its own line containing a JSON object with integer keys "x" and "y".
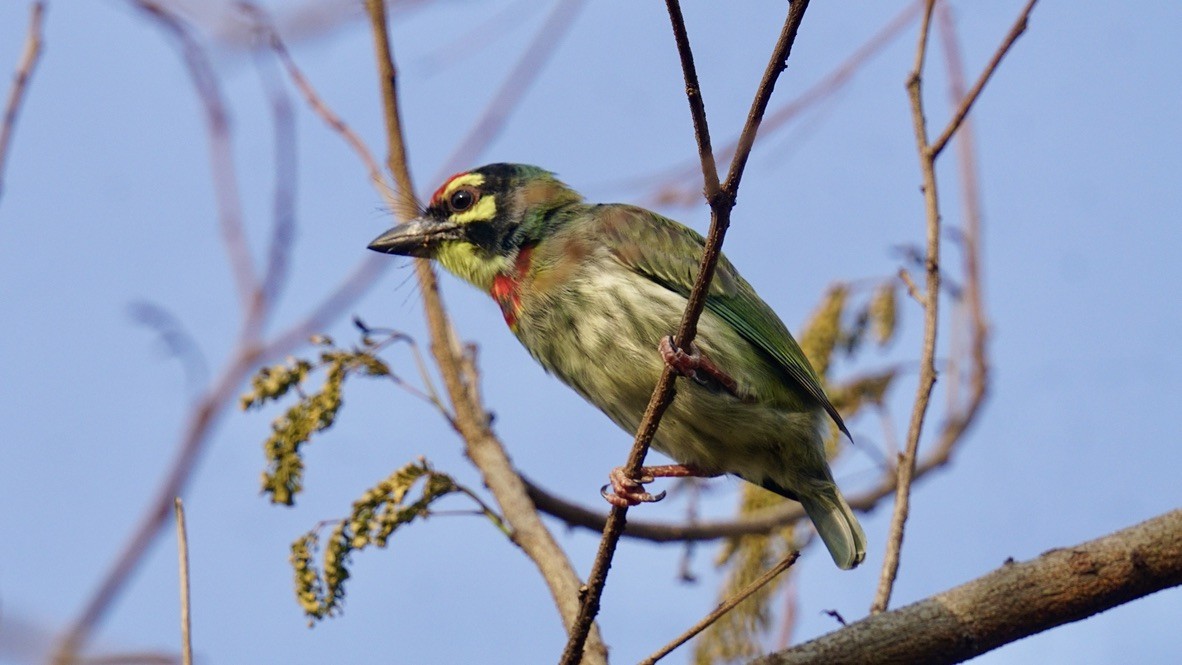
{"x": 668, "y": 253}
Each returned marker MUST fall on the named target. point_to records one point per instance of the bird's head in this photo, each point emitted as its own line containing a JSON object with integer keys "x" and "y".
{"x": 477, "y": 221}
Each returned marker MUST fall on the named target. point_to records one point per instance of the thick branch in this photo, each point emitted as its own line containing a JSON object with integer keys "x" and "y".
{"x": 1014, "y": 601}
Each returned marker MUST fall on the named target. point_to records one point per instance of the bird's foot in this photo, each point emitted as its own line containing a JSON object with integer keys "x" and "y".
{"x": 628, "y": 491}
{"x": 690, "y": 364}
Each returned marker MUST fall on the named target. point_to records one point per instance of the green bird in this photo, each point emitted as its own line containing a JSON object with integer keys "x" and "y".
{"x": 593, "y": 292}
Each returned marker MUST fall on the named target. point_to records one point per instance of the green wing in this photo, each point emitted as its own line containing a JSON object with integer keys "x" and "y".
{"x": 668, "y": 253}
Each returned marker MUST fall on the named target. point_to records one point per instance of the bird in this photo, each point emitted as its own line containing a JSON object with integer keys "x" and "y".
{"x": 594, "y": 292}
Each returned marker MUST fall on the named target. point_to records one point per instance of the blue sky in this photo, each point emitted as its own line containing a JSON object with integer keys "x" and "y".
{"x": 108, "y": 202}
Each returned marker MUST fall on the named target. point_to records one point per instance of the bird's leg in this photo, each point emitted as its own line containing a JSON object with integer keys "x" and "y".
{"x": 689, "y": 364}
{"x": 627, "y": 491}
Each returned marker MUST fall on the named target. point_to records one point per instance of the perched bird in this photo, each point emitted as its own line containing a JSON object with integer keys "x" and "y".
{"x": 594, "y": 291}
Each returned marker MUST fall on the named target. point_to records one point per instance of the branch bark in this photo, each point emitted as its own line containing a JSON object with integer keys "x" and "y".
{"x": 1015, "y": 601}
{"x": 721, "y": 200}
{"x": 459, "y": 377}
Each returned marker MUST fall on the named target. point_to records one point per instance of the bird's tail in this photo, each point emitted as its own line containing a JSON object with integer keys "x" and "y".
{"x": 837, "y": 526}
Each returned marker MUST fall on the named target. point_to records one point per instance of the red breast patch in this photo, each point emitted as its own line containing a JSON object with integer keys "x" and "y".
{"x": 506, "y": 287}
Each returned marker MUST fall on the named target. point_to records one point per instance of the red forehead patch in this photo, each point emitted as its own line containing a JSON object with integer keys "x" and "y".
{"x": 439, "y": 192}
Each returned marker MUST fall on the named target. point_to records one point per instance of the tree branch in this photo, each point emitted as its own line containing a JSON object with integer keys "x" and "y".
{"x": 482, "y": 446}
{"x": 724, "y": 607}
{"x": 1015, "y": 601}
{"x": 969, "y": 99}
{"x": 721, "y": 201}
{"x": 930, "y": 299}
{"x": 30, "y": 55}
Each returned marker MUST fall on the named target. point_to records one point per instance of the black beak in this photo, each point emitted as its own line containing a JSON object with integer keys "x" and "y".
{"x": 419, "y": 237}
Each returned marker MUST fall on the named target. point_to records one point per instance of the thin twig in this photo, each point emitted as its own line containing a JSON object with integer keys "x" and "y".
{"x": 825, "y": 87}
{"x": 485, "y": 451}
{"x": 912, "y": 289}
{"x": 959, "y": 421}
{"x": 182, "y": 540}
{"x": 724, "y": 607}
{"x": 966, "y": 103}
{"x": 30, "y": 55}
{"x": 266, "y": 26}
{"x": 931, "y": 303}
{"x": 721, "y": 200}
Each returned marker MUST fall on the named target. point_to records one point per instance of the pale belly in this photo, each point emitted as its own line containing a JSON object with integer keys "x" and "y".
{"x": 605, "y": 348}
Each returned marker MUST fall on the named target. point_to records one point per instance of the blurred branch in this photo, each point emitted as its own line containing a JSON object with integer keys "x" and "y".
{"x": 721, "y": 200}
{"x": 928, "y": 153}
{"x": 176, "y": 340}
{"x": 221, "y": 151}
{"x": 726, "y": 606}
{"x": 1015, "y": 601}
{"x": 509, "y": 95}
{"x": 459, "y": 377}
{"x": 283, "y": 227}
{"x": 30, "y": 55}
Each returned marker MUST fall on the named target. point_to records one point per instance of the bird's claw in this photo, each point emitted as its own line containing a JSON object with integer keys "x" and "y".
{"x": 626, "y": 492}
{"x": 685, "y": 364}
{"x": 695, "y": 366}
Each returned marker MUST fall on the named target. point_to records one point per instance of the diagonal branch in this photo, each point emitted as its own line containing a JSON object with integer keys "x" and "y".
{"x": 1017, "y": 600}
{"x": 721, "y": 200}
{"x": 482, "y": 446}
{"x": 221, "y": 151}
{"x": 509, "y": 95}
{"x": 969, "y": 99}
{"x": 726, "y": 606}
{"x": 30, "y": 55}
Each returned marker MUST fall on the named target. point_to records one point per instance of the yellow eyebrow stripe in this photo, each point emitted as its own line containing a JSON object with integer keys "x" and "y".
{"x": 466, "y": 180}
{"x": 484, "y": 210}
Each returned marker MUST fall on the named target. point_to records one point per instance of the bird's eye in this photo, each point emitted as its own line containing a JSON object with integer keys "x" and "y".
{"x": 462, "y": 199}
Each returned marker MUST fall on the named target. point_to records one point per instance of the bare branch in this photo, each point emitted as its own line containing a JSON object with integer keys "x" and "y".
{"x": 827, "y": 86}
{"x": 721, "y": 201}
{"x": 724, "y": 607}
{"x": 931, "y": 305}
{"x": 483, "y": 448}
{"x": 509, "y": 95}
{"x": 30, "y": 55}
{"x": 265, "y": 25}
{"x": 1017, "y": 600}
{"x": 182, "y": 539}
{"x": 928, "y": 153}
{"x": 966, "y": 104}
